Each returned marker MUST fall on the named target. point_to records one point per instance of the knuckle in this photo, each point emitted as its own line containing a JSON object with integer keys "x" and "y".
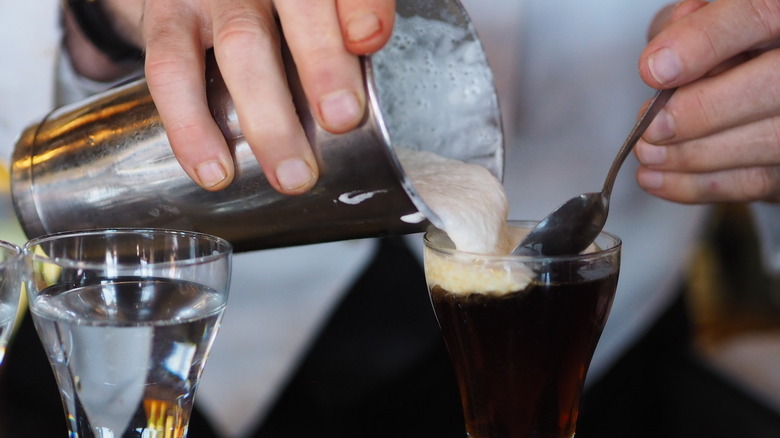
{"x": 319, "y": 53}
{"x": 773, "y": 56}
{"x": 688, "y": 157}
{"x": 767, "y": 14}
{"x": 243, "y": 27}
{"x": 773, "y": 142}
{"x": 186, "y": 132}
{"x": 265, "y": 132}
{"x": 161, "y": 73}
{"x": 182, "y": 127}
{"x": 764, "y": 85}
{"x": 758, "y": 183}
{"x": 707, "y": 110}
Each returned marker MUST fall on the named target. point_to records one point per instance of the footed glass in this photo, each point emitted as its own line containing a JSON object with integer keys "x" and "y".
{"x": 521, "y": 331}
{"x": 127, "y": 318}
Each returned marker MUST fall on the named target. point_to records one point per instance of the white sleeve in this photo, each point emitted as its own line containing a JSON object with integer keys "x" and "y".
{"x": 766, "y": 218}
{"x": 72, "y": 87}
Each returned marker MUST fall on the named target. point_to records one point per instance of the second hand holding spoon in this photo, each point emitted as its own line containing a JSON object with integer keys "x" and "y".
{"x": 573, "y": 226}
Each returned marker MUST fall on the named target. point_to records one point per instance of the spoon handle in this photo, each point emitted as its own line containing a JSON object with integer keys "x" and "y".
{"x": 658, "y": 102}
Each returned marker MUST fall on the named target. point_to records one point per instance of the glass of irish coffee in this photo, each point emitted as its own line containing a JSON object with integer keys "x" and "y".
{"x": 521, "y": 331}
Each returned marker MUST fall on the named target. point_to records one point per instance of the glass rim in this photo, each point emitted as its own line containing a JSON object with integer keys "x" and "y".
{"x": 615, "y": 246}
{"x": 15, "y": 252}
{"x": 225, "y": 247}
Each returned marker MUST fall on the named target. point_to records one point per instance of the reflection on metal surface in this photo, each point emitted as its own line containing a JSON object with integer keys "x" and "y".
{"x": 106, "y": 161}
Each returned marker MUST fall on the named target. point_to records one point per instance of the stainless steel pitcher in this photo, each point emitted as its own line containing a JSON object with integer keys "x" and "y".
{"x": 106, "y": 161}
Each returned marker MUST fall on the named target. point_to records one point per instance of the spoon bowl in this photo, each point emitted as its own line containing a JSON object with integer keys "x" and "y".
{"x": 573, "y": 226}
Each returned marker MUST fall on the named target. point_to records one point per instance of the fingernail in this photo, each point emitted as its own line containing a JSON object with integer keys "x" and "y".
{"x": 340, "y": 110}
{"x": 362, "y": 26}
{"x": 664, "y": 66}
{"x": 661, "y": 128}
{"x": 649, "y": 154}
{"x": 650, "y": 179}
{"x": 293, "y": 174}
{"x": 211, "y": 173}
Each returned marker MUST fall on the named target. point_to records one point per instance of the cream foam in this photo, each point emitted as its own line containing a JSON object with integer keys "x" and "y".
{"x": 468, "y": 199}
{"x": 436, "y": 94}
{"x": 466, "y": 273}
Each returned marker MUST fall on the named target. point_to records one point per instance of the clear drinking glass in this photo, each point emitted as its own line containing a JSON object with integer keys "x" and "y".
{"x": 521, "y": 331}
{"x": 10, "y": 290}
{"x": 127, "y": 318}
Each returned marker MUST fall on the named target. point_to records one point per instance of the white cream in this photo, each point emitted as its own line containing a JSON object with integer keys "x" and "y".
{"x": 437, "y": 95}
{"x": 467, "y": 275}
{"x": 473, "y": 209}
{"x": 468, "y": 199}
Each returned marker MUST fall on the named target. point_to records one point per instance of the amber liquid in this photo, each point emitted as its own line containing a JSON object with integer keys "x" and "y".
{"x": 521, "y": 358}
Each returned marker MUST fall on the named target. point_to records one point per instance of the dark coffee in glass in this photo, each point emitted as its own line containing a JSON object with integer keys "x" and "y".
{"x": 521, "y": 332}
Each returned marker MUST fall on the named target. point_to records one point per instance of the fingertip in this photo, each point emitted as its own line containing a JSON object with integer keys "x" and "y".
{"x": 650, "y": 154}
{"x": 203, "y": 153}
{"x": 664, "y": 65}
{"x": 362, "y": 27}
{"x": 661, "y": 129}
{"x": 366, "y": 30}
{"x": 295, "y": 176}
{"x": 341, "y": 111}
{"x": 650, "y": 180}
{"x": 214, "y": 175}
{"x": 662, "y": 185}
{"x": 661, "y": 64}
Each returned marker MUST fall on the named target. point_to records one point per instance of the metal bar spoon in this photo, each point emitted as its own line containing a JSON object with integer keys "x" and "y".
{"x": 573, "y": 226}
